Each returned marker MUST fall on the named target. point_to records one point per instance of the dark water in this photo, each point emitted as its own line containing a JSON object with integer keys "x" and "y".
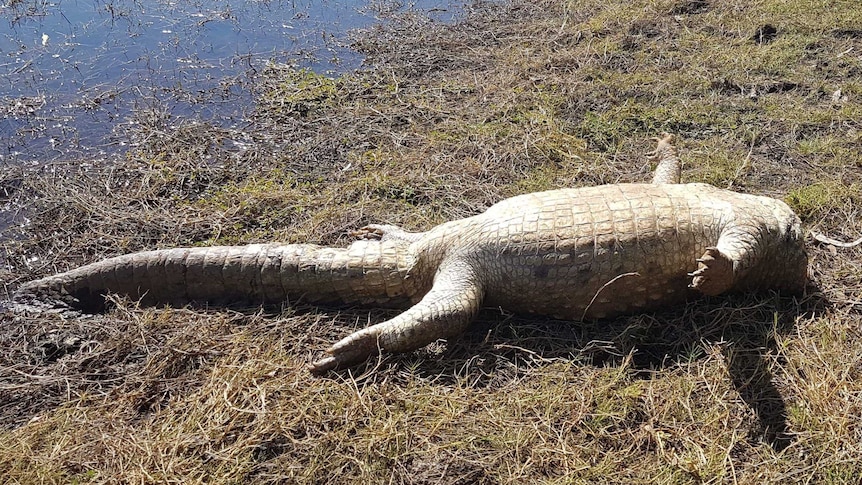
{"x": 73, "y": 73}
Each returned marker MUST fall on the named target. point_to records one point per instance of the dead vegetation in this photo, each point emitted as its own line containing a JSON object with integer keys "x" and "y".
{"x": 519, "y": 96}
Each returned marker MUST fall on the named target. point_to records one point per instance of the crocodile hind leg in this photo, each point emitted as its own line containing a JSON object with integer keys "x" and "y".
{"x": 386, "y": 232}
{"x": 446, "y": 310}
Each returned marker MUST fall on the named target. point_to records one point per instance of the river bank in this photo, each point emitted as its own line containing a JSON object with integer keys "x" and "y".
{"x": 516, "y": 97}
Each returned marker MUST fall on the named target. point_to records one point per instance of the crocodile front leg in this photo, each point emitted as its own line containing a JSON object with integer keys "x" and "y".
{"x": 714, "y": 274}
{"x": 739, "y": 249}
{"x": 446, "y": 310}
{"x": 668, "y": 170}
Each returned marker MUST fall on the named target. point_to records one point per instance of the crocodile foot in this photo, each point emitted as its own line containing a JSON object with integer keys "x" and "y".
{"x": 714, "y": 274}
{"x": 350, "y": 351}
{"x": 385, "y": 232}
{"x": 373, "y": 232}
{"x": 664, "y": 146}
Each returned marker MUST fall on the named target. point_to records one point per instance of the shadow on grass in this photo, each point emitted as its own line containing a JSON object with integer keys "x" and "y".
{"x": 500, "y": 348}
{"x": 744, "y": 327}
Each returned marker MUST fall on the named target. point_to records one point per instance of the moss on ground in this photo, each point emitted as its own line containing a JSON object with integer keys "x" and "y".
{"x": 448, "y": 119}
{"x": 814, "y": 202}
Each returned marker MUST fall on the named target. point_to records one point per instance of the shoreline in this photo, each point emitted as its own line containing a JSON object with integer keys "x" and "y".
{"x": 518, "y": 97}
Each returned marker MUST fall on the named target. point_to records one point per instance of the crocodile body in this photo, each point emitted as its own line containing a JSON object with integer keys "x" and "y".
{"x": 583, "y": 253}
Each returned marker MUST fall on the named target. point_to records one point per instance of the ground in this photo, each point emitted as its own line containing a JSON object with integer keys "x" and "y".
{"x": 518, "y": 96}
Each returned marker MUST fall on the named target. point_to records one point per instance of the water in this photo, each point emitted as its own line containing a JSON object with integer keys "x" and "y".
{"x": 74, "y": 72}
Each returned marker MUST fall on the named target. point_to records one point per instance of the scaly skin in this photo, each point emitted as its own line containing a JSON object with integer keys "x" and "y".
{"x": 367, "y": 272}
{"x": 576, "y": 254}
{"x": 669, "y": 168}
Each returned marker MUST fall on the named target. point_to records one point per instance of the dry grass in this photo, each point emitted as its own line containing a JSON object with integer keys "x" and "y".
{"x": 518, "y": 97}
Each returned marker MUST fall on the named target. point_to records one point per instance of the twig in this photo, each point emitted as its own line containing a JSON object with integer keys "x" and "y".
{"x": 828, "y": 240}
{"x": 584, "y": 315}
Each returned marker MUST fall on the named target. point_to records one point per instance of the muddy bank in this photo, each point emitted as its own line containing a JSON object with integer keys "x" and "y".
{"x": 77, "y": 79}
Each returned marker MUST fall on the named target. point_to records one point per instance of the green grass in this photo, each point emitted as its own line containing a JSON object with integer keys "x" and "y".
{"x": 815, "y": 201}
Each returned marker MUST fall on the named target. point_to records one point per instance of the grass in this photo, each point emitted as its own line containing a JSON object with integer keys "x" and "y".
{"x": 519, "y": 96}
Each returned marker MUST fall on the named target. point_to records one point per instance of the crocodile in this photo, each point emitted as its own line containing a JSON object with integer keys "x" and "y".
{"x": 576, "y": 253}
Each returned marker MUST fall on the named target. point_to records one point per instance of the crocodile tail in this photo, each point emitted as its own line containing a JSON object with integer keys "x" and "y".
{"x": 367, "y": 272}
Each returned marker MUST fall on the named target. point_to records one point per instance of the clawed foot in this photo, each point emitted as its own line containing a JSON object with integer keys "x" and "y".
{"x": 351, "y": 350}
{"x": 714, "y": 274}
{"x": 663, "y": 144}
{"x": 384, "y": 232}
{"x": 371, "y": 232}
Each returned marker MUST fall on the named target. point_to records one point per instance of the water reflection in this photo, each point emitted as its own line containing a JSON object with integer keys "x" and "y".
{"x": 72, "y": 72}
